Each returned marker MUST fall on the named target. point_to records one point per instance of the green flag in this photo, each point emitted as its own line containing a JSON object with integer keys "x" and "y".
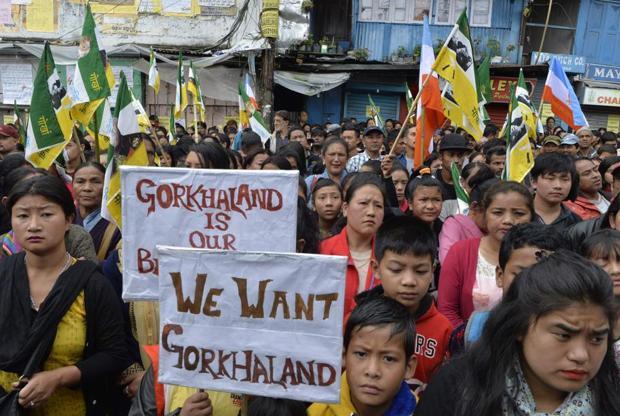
{"x": 485, "y": 95}
{"x": 50, "y": 124}
{"x": 461, "y": 194}
{"x": 376, "y": 113}
{"x": 19, "y": 125}
{"x": 172, "y": 138}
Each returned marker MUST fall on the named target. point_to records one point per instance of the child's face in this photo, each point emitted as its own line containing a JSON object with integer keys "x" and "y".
{"x": 506, "y": 210}
{"x": 612, "y": 267}
{"x": 426, "y": 203}
{"x": 519, "y": 259}
{"x": 405, "y": 277}
{"x": 376, "y": 367}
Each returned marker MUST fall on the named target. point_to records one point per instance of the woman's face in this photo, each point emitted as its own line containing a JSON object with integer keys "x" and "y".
{"x": 165, "y": 160}
{"x": 257, "y": 161}
{"x": 612, "y": 266}
{"x": 327, "y": 202}
{"x": 293, "y": 162}
{"x": 193, "y": 161}
{"x": 88, "y": 188}
{"x": 365, "y": 210}
{"x": 39, "y": 224}
{"x": 335, "y": 159}
{"x": 73, "y": 151}
{"x": 400, "y": 179}
{"x": 426, "y": 203}
{"x": 505, "y": 211}
{"x": 564, "y": 349}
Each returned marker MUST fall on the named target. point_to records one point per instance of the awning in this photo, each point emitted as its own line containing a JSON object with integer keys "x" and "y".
{"x": 310, "y": 83}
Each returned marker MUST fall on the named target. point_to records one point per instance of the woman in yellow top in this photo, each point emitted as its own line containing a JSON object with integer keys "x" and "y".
{"x": 61, "y": 331}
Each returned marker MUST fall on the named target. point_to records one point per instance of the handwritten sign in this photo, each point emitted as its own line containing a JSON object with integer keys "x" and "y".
{"x": 201, "y": 208}
{"x": 16, "y": 83}
{"x": 266, "y": 324}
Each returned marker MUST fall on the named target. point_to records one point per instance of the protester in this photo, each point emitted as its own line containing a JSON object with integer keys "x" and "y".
{"x": 405, "y": 254}
{"x": 373, "y": 140}
{"x": 545, "y": 349}
{"x": 88, "y": 189}
{"x": 554, "y": 180}
{"x": 276, "y": 163}
{"x": 569, "y": 145}
{"x": 451, "y": 149}
{"x": 550, "y": 144}
{"x": 351, "y": 135}
{"x": 461, "y": 227}
{"x": 496, "y": 159}
{"x": 586, "y": 139}
{"x": 9, "y": 140}
{"x": 400, "y": 178}
{"x": 334, "y": 153}
{"x": 363, "y": 207}
{"x": 590, "y": 203}
{"x": 327, "y": 202}
{"x": 578, "y": 232}
{"x": 467, "y": 280}
{"x": 606, "y": 169}
{"x": 255, "y": 159}
{"x": 379, "y": 344}
{"x": 208, "y": 155}
{"x": 425, "y": 198}
{"x": 61, "y": 322}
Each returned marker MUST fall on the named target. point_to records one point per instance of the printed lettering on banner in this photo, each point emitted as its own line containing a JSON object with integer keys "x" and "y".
{"x": 201, "y": 208}
{"x": 266, "y": 324}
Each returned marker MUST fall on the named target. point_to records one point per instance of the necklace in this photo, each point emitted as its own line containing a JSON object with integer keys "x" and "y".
{"x": 64, "y": 268}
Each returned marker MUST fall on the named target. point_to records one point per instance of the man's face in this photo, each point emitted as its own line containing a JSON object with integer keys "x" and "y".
{"x": 553, "y": 188}
{"x": 299, "y": 136}
{"x": 350, "y": 136}
{"x": 202, "y": 130}
{"x": 373, "y": 142}
{"x": 497, "y": 164}
{"x": 549, "y": 147}
{"x": 411, "y": 133}
{"x": 569, "y": 149}
{"x": 8, "y": 144}
{"x": 589, "y": 177}
{"x": 519, "y": 259}
{"x": 585, "y": 138}
{"x": 449, "y": 156}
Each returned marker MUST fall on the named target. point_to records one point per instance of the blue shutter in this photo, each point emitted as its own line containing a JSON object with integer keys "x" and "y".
{"x": 356, "y": 103}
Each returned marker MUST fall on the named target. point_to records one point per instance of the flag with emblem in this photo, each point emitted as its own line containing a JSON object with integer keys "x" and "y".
{"x": 375, "y": 113}
{"x": 519, "y": 156}
{"x": 193, "y": 86}
{"x": 126, "y": 148}
{"x": 93, "y": 78}
{"x": 255, "y": 118}
{"x": 180, "y": 99}
{"x": 483, "y": 77}
{"x": 530, "y": 115}
{"x": 455, "y": 64}
{"x": 153, "y": 73}
{"x": 50, "y": 125}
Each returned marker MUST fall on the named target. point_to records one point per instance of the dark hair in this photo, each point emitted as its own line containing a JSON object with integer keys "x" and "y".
{"x": 609, "y": 136}
{"x": 284, "y": 114}
{"x": 250, "y": 139}
{"x": 8, "y": 165}
{"x": 554, "y": 162}
{"x": 49, "y": 187}
{"x": 490, "y": 144}
{"x": 251, "y": 156}
{"x": 19, "y": 174}
{"x": 211, "y": 155}
{"x": 554, "y": 283}
{"x": 307, "y": 227}
{"x": 491, "y": 129}
{"x": 351, "y": 126}
{"x": 426, "y": 180}
{"x": 504, "y": 188}
{"x": 374, "y": 165}
{"x": 296, "y": 127}
{"x": 333, "y": 141}
{"x": 605, "y": 165}
{"x": 397, "y": 167}
{"x": 382, "y": 311}
{"x": 324, "y": 183}
{"x": 297, "y": 150}
{"x": 494, "y": 151}
{"x": 603, "y": 244}
{"x": 90, "y": 164}
{"x": 480, "y": 183}
{"x": 468, "y": 168}
{"x": 540, "y": 236}
{"x": 606, "y": 148}
{"x": 268, "y": 406}
{"x": 280, "y": 161}
{"x": 235, "y": 158}
{"x": 362, "y": 179}
{"x": 405, "y": 235}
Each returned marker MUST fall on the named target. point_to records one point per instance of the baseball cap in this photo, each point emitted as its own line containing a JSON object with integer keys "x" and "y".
{"x": 569, "y": 139}
{"x": 552, "y": 139}
{"x": 9, "y": 131}
{"x": 373, "y": 129}
{"x": 333, "y": 128}
{"x": 453, "y": 141}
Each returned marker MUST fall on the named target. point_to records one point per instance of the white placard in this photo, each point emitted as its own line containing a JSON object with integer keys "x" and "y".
{"x": 16, "y": 83}
{"x": 202, "y": 208}
{"x": 265, "y": 324}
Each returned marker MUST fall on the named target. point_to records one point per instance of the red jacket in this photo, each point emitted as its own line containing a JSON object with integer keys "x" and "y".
{"x": 583, "y": 207}
{"x": 431, "y": 347}
{"x": 456, "y": 281}
{"x": 339, "y": 246}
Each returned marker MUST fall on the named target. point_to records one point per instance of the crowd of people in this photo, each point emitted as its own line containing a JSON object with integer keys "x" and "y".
{"x": 506, "y": 306}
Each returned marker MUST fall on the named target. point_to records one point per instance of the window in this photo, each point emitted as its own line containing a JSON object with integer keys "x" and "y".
{"x": 479, "y": 11}
{"x": 394, "y": 11}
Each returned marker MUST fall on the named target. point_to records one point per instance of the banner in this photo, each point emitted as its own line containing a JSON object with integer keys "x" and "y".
{"x": 201, "y": 208}
{"x": 264, "y": 324}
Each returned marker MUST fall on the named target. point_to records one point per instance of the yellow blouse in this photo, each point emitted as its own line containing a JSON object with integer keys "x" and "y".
{"x": 67, "y": 350}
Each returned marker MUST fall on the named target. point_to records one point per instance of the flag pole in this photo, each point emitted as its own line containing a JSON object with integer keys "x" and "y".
{"x": 195, "y": 124}
{"x": 79, "y": 145}
{"x": 97, "y": 147}
{"x": 411, "y": 111}
{"x": 542, "y": 40}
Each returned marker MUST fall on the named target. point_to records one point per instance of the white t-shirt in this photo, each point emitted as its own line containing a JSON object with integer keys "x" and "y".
{"x": 485, "y": 293}
{"x": 601, "y": 203}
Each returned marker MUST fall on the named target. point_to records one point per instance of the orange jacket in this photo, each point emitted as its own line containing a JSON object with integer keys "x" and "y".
{"x": 339, "y": 246}
{"x": 583, "y": 207}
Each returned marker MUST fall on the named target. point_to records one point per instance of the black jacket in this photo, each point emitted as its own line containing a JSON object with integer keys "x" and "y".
{"x": 576, "y": 233}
